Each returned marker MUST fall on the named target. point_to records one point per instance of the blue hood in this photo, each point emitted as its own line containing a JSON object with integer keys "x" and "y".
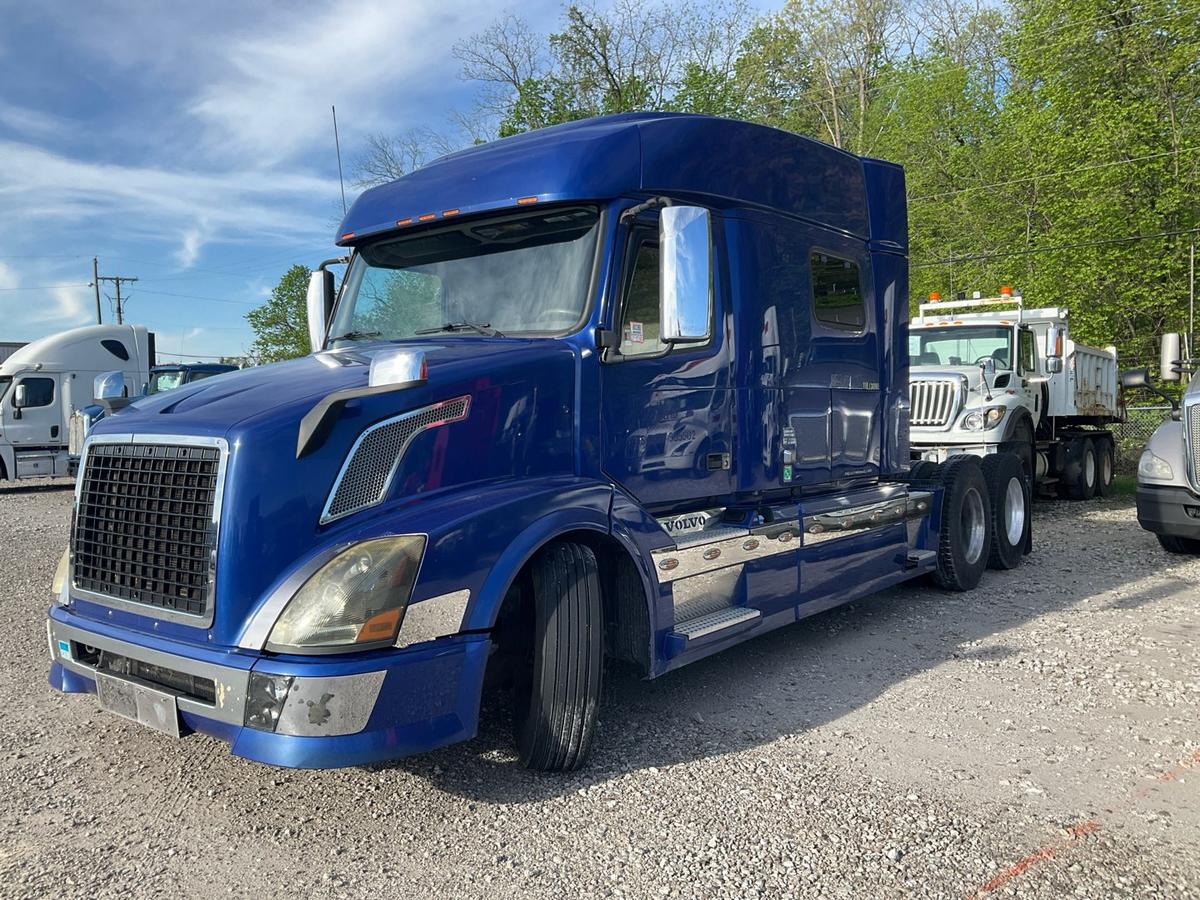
{"x": 520, "y": 424}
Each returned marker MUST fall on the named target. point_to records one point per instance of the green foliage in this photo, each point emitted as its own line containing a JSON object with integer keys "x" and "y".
{"x": 281, "y": 324}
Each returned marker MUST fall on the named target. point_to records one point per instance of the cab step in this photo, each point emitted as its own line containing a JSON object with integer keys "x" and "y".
{"x": 711, "y": 623}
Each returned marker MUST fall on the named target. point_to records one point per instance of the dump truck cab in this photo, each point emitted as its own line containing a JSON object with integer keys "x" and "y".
{"x": 625, "y": 391}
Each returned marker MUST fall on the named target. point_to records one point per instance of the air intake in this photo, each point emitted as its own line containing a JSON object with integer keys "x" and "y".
{"x": 371, "y": 464}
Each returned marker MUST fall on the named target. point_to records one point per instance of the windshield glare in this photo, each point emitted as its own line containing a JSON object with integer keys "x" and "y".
{"x": 524, "y": 274}
{"x": 961, "y": 345}
{"x": 164, "y": 381}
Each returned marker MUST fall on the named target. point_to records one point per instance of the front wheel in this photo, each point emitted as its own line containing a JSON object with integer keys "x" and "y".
{"x": 965, "y": 534}
{"x": 559, "y": 692}
{"x": 1173, "y": 544}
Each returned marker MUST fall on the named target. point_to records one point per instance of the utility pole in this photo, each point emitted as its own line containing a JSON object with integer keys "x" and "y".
{"x": 96, "y": 285}
{"x": 117, "y": 279}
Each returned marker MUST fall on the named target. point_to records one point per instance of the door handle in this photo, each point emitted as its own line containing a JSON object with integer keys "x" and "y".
{"x": 53, "y": 432}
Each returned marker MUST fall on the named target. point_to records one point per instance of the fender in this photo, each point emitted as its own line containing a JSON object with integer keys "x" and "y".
{"x": 1021, "y": 414}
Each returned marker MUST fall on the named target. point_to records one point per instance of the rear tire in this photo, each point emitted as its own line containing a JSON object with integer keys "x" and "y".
{"x": 555, "y": 706}
{"x": 923, "y": 470}
{"x": 1008, "y": 491}
{"x": 1105, "y": 465}
{"x": 965, "y": 531}
{"x": 1079, "y": 473}
{"x": 1173, "y": 544}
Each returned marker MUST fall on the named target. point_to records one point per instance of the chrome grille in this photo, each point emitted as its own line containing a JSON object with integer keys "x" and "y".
{"x": 367, "y": 472}
{"x": 934, "y": 401}
{"x": 145, "y": 527}
{"x": 1192, "y": 442}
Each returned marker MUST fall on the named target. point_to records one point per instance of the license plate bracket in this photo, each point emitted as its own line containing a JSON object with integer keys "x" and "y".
{"x": 157, "y": 710}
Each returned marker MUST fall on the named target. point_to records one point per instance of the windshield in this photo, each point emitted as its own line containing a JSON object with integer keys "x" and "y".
{"x": 514, "y": 275}
{"x": 961, "y": 345}
{"x": 165, "y": 381}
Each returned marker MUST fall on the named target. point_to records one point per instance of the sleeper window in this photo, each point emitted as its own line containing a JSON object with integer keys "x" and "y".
{"x": 837, "y": 292}
{"x": 640, "y": 311}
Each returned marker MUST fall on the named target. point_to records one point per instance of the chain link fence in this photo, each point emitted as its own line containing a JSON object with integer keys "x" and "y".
{"x": 1132, "y": 434}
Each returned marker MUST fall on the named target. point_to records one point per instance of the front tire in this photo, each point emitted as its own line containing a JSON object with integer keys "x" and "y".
{"x": 555, "y": 705}
{"x": 965, "y": 532}
{"x": 1173, "y": 544}
{"x": 1008, "y": 491}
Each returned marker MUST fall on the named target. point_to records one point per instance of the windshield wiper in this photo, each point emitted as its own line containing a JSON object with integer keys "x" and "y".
{"x": 485, "y": 328}
{"x": 356, "y": 335}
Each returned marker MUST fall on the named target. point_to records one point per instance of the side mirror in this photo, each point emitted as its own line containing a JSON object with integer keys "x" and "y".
{"x": 319, "y": 305}
{"x": 1055, "y": 337}
{"x": 685, "y": 272}
{"x": 1132, "y": 379}
{"x": 989, "y": 368}
{"x": 109, "y": 386}
{"x": 1170, "y": 357}
{"x": 20, "y": 397}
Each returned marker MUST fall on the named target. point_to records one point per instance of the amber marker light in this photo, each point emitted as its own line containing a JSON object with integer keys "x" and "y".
{"x": 525, "y": 201}
{"x": 934, "y": 296}
{"x": 407, "y": 221}
{"x": 450, "y": 212}
{"x": 427, "y": 217}
{"x": 346, "y": 236}
{"x": 1006, "y": 290}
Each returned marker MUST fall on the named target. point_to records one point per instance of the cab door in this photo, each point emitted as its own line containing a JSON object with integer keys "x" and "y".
{"x": 667, "y": 411}
{"x": 39, "y": 422}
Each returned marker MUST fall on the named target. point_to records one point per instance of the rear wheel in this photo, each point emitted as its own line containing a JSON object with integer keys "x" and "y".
{"x": 558, "y": 692}
{"x": 1105, "y": 465}
{"x": 1173, "y": 544}
{"x": 1008, "y": 491}
{"x": 965, "y": 533}
{"x": 1080, "y": 471}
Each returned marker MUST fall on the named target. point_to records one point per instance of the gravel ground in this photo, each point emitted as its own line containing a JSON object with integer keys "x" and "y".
{"x": 1038, "y": 737}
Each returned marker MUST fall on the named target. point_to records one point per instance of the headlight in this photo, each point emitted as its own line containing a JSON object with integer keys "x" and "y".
{"x": 355, "y": 601}
{"x": 983, "y": 419}
{"x": 1154, "y": 468}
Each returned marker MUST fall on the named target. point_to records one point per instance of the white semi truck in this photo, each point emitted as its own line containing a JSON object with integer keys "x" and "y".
{"x": 47, "y": 380}
{"x": 987, "y": 374}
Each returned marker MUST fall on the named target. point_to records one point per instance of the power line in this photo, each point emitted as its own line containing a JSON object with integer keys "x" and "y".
{"x": 1087, "y": 168}
{"x": 1050, "y": 249}
{"x": 198, "y": 297}
{"x": 45, "y": 287}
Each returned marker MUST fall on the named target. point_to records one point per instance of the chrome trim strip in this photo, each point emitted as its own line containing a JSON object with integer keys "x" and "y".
{"x": 673, "y": 563}
{"x": 839, "y": 523}
{"x": 230, "y": 683}
{"x": 387, "y": 484}
{"x": 146, "y": 609}
{"x": 1191, "y": 440}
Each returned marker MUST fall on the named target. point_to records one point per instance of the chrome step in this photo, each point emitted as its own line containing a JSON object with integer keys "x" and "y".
{"x": 712, "y": 622}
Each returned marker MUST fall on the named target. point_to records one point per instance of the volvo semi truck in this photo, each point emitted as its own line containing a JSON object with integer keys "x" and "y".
{"x": 989, "y": 374}
{"x": 627, "y": 391}
{"x": 46, "y": 381}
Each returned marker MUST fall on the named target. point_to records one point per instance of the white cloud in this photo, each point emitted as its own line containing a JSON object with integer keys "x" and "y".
{"x": 189, "y": 249}
{"x": 31, "y": 122}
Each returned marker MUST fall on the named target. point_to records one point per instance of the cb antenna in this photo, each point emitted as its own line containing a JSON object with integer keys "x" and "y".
{"x": 338, "y": 147}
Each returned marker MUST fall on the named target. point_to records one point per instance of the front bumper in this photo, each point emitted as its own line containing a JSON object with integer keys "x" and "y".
{"x": 1169, "y": 510}
{"x": 342, "y": 711}
{"x": 939, "y": 452}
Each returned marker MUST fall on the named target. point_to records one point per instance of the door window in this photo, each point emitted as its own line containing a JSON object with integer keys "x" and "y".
{"x": 38, "y": 392}
{"x": 837, "y": 292}
{"x": 1028, "y": 352}
{"x": 640, "y": 310}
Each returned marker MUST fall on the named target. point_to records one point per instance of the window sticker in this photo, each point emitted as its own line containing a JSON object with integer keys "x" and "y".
{"x": 636, "y": 335}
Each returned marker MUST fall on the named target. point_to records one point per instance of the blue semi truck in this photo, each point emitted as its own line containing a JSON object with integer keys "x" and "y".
{"x": 627, "y": 391}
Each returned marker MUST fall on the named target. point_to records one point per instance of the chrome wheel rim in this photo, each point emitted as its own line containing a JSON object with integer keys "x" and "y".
{"x": 1014, "y": 511}
{"x": 1089, "y": 469}
{"x": 974, "y": 526}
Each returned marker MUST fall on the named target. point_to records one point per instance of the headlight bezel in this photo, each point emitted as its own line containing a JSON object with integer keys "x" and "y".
{"x": 1152, "y": 467}
{"x": 983, "y": 418}
{"x": 325, "y": 600}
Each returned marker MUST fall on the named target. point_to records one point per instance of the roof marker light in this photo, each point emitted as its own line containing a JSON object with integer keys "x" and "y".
{"x": 346, "y": 236}
{"x": 1006, "y": 290}
{"x": 450, "y": 212}
{"x": 526, "y": 200}
{"x": 407, "y": 221}
{"x": 934, "y": 296}
{"x": 426, "y": 217}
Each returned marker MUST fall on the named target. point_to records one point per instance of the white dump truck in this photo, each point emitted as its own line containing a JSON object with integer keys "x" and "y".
{"x": 987, "y": 374}
{"x": 47, "y": 380}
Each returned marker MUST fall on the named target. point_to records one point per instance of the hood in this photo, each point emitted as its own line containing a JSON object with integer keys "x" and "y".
{"x": 519, "y": 423}
{"x": 972, "y": 374}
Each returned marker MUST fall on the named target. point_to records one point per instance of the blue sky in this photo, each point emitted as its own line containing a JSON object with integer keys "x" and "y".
{"x": 190, "y": 145}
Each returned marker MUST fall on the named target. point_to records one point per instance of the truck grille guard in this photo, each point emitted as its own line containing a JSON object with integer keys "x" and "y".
{"x": 1191, "y": 441}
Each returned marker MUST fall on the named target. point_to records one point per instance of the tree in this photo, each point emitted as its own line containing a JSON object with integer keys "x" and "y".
{"x": 281, "y": 324}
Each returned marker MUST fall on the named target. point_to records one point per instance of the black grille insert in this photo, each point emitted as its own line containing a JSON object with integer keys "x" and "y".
{"x": 144, "y": 524}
